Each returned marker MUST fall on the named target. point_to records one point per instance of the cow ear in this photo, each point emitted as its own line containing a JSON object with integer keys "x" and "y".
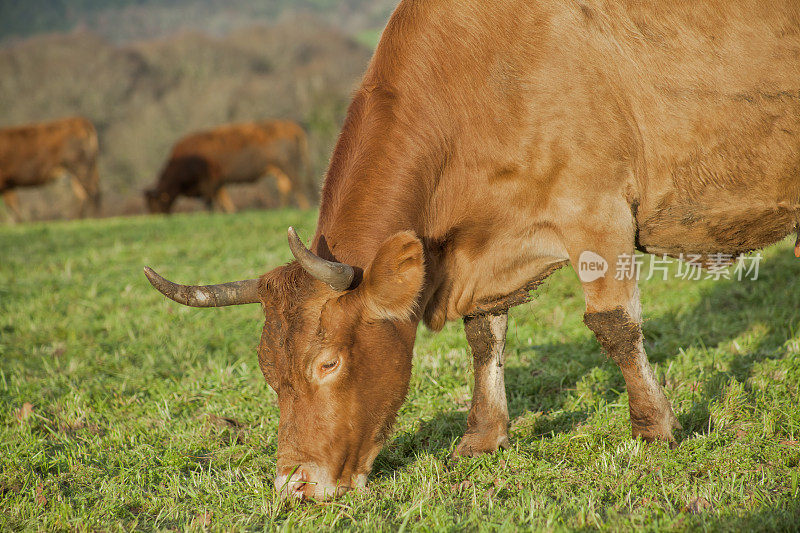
{"x": 393, "y": 281}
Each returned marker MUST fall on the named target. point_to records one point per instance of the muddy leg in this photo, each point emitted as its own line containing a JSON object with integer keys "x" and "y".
{"x": 223, "y": 200}
{"x": 601, "y": 250}
{"x": 613, "y": 313}
{"x": 487, "y": 424}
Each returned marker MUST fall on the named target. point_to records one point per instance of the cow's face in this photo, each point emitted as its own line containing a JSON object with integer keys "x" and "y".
{"x": 336, "y": 347}
{"x": 158, "y": 202}
{"x": 340, "y": 363}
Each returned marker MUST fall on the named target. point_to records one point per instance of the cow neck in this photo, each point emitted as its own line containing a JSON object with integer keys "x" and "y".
{"x": 375, "y": 186}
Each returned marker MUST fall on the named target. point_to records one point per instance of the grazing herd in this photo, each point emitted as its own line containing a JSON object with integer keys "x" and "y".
{"x": 200, "y": 165}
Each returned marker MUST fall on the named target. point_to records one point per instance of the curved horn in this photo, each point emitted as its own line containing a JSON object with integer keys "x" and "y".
{"x": 338, "y": 275}
{"x": 234, "y": 293}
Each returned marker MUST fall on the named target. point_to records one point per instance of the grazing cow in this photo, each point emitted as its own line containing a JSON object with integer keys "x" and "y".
{"x": 201, "y": 164}
{"x": 489, "y": 144}
{"x": 37, "y": 154}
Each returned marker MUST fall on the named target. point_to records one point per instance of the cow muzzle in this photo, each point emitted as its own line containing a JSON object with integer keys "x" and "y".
{"x": 309, "y": 482}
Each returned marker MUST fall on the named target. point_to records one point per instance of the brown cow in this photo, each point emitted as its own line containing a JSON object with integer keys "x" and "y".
{"x": 489, "y": 144}
{"x": 201, "y": 164}
{"x": 37, "y": 154}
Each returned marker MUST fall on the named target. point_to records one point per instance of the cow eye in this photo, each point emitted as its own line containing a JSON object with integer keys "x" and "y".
{"x": 327, "y": 365}
{"x": 330, "y": 365}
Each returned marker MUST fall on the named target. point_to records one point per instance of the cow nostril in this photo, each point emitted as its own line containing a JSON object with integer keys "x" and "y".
{"x": 299, "y": 491}
{"x": 292, "y": 483}
{"x": 299, "y": 484}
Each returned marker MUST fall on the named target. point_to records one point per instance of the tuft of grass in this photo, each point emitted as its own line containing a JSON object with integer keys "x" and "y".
{"x": 142, "y": 414}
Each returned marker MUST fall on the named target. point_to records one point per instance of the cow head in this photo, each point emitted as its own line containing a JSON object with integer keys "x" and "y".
{"x": 158, "y": 201}
{"x": 336, "y": 348}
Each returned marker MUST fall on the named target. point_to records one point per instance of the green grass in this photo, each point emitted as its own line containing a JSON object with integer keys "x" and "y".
{"x": 129, "y": 389}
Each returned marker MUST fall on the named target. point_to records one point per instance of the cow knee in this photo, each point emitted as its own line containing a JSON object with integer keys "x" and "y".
{"x": 617, "y": 332}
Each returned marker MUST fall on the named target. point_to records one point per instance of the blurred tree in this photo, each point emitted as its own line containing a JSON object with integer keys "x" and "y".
{"x": 143, "y": 96}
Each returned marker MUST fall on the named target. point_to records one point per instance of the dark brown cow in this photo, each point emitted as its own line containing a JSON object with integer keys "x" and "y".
{"x": 201, "y": 164}
{"x": 37, "y": 154}
{"x": 491, "y": 143}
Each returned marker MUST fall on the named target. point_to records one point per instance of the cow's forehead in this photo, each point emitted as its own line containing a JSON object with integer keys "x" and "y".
{"x": 300, "y": 314}
{"x": 297, "y": 297}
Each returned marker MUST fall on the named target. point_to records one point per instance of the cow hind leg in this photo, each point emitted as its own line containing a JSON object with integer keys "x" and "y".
{"x": 287, "y": 187}
{"x": 302, "y": 201}
{"x": 487, "y": 423}
{"x": 283, "y": 184}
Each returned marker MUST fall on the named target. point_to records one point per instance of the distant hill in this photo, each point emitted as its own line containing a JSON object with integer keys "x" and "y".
{"x": 127, "y": 20}
{"x": 143, "y": 96}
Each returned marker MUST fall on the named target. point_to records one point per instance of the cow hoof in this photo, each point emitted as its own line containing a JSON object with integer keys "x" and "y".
{"x": 474, "y": 444}
{"x": 658, "y": 431}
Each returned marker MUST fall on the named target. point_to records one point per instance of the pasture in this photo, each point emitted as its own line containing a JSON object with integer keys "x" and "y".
{"x": 147, "y": 415}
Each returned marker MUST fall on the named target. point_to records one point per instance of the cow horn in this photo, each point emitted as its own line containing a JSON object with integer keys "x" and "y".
{"x": 234, "y": 293}
{"x": 338, "y": 275}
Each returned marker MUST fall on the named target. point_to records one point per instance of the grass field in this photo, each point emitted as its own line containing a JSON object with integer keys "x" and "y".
{"x": 147, "y": 415}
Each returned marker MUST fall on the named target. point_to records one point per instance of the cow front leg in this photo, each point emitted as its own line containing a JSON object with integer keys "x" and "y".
{"x": 613, "y": 313}
{"x": 80, "y": 193}
{"x": 487, "y": 423}
{"x": 12, "y": 202}
{"x": 601, "y": 250}
{"x": 223, "y": 200}
{"x": 283, "y": 184}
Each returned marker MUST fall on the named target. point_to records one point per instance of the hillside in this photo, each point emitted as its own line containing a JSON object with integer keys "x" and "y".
{"x": 126, "y": 20}
{"x": 143, "y": 96}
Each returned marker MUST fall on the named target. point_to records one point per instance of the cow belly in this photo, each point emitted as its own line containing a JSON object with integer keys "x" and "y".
{"x": 692, "y": 231}
{"x": 731, "y": 222}
{"x": 247, "y": 166}
{"x": 736, "y": 189}
{"x": 726, "y": 212}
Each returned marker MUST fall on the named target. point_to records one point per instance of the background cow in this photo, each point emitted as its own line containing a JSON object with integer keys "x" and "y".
{"x": 201, "y": 164}
{"x": 38, "y": 154}
{"x": 489, "y": 144}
